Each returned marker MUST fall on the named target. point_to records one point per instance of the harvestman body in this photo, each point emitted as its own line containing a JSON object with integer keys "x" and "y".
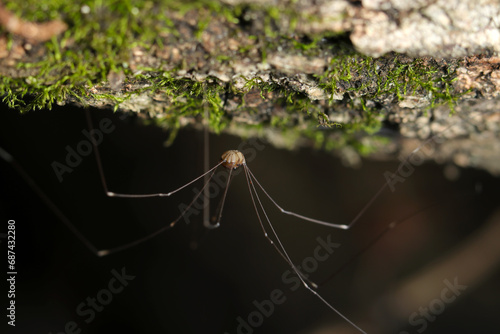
{"x": 232, "y": 159}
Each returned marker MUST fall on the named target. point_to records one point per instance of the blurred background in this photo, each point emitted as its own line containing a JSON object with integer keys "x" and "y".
{"x": 194, "y": 280}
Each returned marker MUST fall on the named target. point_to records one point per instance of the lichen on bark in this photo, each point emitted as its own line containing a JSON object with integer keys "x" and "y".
{"x": 300, "y": 71}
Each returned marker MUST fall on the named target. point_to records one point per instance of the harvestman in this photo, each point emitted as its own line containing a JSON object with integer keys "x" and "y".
{"x": 231, "y": 160}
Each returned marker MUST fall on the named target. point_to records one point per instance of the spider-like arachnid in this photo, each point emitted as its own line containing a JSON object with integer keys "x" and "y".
{"x": 223, "y": 285}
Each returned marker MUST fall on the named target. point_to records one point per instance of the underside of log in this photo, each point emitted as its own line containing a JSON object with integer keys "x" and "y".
{"x": 358, "y": 78}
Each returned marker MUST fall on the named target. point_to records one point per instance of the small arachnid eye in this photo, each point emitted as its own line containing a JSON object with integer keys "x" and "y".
{"x": 232, "y": 159}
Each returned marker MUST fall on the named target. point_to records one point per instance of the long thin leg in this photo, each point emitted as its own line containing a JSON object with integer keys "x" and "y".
{"x": 280, "y": 252}
{"x": 113, "y": 194}
{"x": 281, "y": 249}
{"x": 367, "y": 205}
{"x": 316, "y": 221}
{"x": 220, "y": 207}
{"x": 206, "y": 193}
{"x": 10, "y": 159}
{"x": 161, "y": 230}
{"x": 390, "y": 227}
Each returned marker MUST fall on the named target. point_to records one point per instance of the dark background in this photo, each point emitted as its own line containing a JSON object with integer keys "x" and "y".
{"x": 191, "y": 280}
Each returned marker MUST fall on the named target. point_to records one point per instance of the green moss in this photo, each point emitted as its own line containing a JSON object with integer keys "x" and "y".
{"x": 101, "y": 41}
{"x": 94, "y": 44}
{"x": 348, "y": 72}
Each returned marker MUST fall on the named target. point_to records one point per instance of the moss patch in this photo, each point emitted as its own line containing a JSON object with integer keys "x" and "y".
{"x": 144, "y": 44}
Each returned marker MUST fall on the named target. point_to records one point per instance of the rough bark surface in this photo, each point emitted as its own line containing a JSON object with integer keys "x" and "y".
{"x": 458, "y": 38}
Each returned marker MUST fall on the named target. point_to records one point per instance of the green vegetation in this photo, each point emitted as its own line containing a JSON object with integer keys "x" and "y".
{"x": 102, "y": 35}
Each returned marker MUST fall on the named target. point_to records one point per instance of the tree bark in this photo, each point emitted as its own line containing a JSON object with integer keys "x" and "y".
{"x": 297, "y": 73}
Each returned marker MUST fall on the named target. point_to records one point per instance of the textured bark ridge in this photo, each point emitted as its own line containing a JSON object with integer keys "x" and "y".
{"x": 295, "y": 72}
